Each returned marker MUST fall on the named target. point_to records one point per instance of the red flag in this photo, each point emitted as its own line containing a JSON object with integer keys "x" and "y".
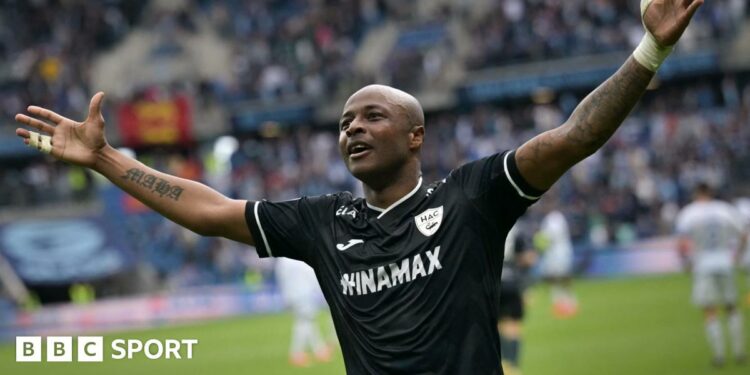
{"x": 162, "y": 122}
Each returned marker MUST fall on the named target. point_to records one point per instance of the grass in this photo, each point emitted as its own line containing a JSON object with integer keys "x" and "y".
{"x": 626, "y": 326}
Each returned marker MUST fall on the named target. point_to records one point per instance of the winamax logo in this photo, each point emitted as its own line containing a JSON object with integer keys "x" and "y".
{"x": 92, "y": 349}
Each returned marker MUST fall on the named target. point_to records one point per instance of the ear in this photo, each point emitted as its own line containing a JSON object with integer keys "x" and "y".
{"x": 416, "y": 137}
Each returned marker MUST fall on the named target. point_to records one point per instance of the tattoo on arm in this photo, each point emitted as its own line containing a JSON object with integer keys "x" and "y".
{"x": 602, "y": 112}
{"x": 547, "y": 156}
{"x": 156, "y": 185}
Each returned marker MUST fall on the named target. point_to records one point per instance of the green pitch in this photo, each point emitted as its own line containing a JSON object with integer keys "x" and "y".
{"x": 626, "y": 326}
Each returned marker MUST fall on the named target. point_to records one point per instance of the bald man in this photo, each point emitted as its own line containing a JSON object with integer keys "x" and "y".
{"x": 411, "y": 270}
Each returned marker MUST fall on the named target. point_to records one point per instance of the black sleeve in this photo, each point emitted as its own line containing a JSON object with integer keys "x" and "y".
{"x": 495, "y": 187}
{"x": 287, "y": 229}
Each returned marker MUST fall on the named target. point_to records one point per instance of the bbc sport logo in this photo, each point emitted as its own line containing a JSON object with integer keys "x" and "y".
{"x": 91, "y": 349}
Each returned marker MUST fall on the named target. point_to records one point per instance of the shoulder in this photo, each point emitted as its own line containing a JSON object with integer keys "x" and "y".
{"x": 732, "y": 213}
{"x": 715, "y": 208}
{"x": 696, "y": 213}
{"x": 435, "y": 186}
{"x": 726, "y": 206}
{"x": 493, "y": 171}
{"x": 687, "y": 211}
{"x": 497, "y": 160}
{"x": 312, "y": 204}
{"x": 331, "y": 198}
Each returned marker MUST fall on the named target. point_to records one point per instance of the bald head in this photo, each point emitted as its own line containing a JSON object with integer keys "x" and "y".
{"x": 407, "y": 104}
{"x": 381, "y": 132}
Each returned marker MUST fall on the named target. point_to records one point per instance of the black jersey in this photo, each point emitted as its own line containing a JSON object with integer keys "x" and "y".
{"x": 412, "y": 288}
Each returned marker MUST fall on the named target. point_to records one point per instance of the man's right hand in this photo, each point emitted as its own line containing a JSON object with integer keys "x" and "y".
{"x": 188, "y": 203}
{"x": 75, "y": 142}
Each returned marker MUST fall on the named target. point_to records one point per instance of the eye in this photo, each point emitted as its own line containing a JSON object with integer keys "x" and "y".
{"x": 345, "y": 124}
{"x": 374, "y": 116}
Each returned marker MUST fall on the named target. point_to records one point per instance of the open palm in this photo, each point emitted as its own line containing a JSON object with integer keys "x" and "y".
{"x": 666, "y": 20}
{"x": 72, "y": 141}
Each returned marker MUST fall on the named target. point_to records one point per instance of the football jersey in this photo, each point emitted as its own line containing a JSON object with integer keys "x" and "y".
{"x": 714, "y": 227}
{"x": 557, "y": 260}
{"x": 555, "y": 229}
{"x": 413, "y": 287}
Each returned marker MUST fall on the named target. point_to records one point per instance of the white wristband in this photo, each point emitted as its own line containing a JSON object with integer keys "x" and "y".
{"x": 650, "y": 54}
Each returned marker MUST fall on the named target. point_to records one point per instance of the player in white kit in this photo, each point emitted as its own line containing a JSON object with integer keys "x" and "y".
{"x": 743, "y": 205}
{"x": 711, "y": 232}
{"x": 553, "y": 239}
{"x": 303, "y": 296}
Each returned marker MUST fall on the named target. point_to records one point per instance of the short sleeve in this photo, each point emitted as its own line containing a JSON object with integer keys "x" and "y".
{"x": 288, "y": 228}
{"x": 496, "y": 188}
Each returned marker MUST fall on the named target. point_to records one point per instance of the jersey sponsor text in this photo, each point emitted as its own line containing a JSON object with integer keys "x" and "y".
{"x": 375, "y": 280}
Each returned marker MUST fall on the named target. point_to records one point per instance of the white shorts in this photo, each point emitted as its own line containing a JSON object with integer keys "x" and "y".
{"x": 714, "y": 289}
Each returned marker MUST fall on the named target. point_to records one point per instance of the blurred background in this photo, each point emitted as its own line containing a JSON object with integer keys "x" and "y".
{"x": 244, "y": 95}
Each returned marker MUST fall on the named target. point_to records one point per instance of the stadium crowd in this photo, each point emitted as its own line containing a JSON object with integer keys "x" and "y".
{"x": 290, "y": 49}
{"x": 517, "y": 31}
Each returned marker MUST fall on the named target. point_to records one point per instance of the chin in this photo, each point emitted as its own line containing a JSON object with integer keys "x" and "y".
{"x": 360, "y": 173}
{"x": 363, "y": 172}
{"x": 376, "y": 172}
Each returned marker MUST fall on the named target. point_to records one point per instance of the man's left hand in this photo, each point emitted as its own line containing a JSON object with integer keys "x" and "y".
{"x": 666, "y": 20}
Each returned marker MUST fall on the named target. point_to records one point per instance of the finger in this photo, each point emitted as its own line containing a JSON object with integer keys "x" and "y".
{"x": 95, "y": 107}
{"x": 36, "y": 124}
{"x": 692, "y": 8}
{"x": 23, "y": 133}
{"x": 45, "y": 113}
{"x": 26, "y": 135}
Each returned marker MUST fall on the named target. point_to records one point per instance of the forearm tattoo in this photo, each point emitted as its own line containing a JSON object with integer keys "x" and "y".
{"x": 548, "y": 155}
{"x": 601, "y": 113}
{"x": 157, "y": 185}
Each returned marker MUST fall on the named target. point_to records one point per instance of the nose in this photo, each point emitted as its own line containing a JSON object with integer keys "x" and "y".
{"x": 354, "y": 127}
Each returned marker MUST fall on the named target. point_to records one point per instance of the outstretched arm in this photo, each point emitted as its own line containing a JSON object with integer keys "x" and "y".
{"x": 186, "y": 202}
{"x": 544, "y": 158}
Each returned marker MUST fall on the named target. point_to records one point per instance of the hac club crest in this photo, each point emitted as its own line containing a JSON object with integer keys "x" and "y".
{"x": 429, "y": 221}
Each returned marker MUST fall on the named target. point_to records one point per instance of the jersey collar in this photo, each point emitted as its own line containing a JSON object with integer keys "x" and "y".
{"x": 383, "y": 211}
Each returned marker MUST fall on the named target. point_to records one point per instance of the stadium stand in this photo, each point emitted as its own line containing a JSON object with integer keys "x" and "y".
{"x": 273, "y": 74}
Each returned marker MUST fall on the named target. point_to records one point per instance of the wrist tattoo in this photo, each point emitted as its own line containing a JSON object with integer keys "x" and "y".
{"x": 156, "y": 185}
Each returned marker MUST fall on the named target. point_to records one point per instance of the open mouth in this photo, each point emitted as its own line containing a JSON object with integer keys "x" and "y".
{"x": 358, "y": 149}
